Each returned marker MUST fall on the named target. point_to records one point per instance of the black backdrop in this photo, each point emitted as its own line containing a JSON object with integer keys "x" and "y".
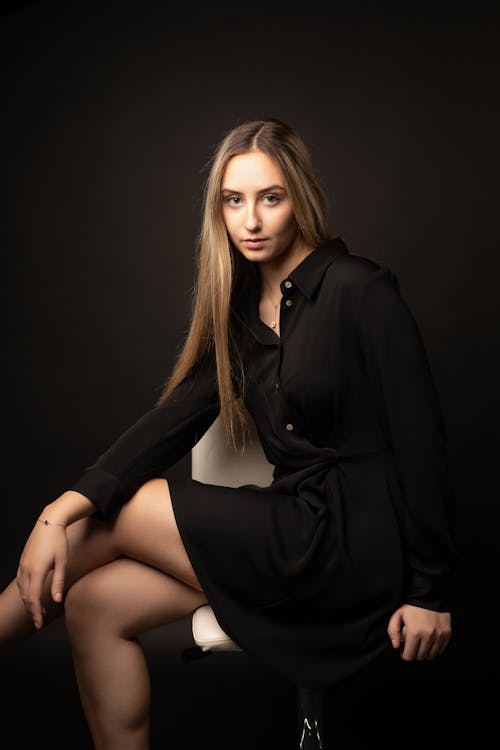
{"x": 110, "y": 113}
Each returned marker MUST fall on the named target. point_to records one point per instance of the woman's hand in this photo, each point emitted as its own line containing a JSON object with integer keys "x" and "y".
{"x": 427, "y": 632}
{"x": 45, "y": 549}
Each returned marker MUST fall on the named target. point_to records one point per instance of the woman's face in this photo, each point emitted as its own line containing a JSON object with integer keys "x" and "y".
{"x": 256, "y": 206}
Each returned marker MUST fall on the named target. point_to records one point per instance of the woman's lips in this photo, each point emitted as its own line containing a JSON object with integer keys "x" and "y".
{"x": 255, "y": 243}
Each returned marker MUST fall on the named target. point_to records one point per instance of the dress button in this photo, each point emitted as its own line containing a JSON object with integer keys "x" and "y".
{"x": 277, "y": 385}
{"x": 289, "y": 303}
{"x": 288, "y": 284}
{"x": 289, "y": 426}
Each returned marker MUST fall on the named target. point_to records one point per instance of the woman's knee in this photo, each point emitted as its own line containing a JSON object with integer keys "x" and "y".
{"x": 86, "y": 602}
{"x": 146, "y": 529}
{"x": 124, "y": 598}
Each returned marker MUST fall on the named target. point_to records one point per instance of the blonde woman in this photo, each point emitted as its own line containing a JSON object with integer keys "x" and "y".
{"x": 316, "y": 574}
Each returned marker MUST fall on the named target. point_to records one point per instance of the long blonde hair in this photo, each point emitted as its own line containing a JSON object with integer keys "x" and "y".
{"x": 220, "y": 268}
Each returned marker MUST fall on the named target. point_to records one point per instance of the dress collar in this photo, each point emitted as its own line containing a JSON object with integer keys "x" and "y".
{"x": 306, "y": 276}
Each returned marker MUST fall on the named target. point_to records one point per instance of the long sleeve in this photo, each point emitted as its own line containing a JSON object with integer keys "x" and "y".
{"x": 156, "y": 441}
{"x": 410, "y": 414}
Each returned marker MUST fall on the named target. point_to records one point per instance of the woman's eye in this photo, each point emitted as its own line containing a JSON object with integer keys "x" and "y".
{"x": 235, "y": 200}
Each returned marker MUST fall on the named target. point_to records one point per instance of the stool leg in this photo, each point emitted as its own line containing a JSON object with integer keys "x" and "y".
{"x": 310, "y": 718}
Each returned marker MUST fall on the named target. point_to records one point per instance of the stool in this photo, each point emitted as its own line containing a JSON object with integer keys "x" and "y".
{"x": 214, "y": 462}
{"x": 210, "y": 638}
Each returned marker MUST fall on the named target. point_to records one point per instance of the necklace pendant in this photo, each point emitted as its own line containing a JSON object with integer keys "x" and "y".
{"x": 273, "y": 324}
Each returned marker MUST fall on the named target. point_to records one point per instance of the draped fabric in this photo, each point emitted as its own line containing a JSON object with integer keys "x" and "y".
{"x": 304, "y": 574}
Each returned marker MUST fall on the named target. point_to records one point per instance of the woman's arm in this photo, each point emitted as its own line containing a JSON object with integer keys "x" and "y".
{"x": 156, "y": 441}
{"x": 409, "y": 411}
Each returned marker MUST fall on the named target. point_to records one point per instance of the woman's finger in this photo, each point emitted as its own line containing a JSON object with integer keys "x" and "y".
{"x": 427, "y": 648}
{"x": 20, "y": 580}
{"x": 35, "y": 598}
{"x": 434, "y": 649}
{"x": 444, "y": 642}
{"x": 412, "y": 643}
{"x": 57, "y": 586}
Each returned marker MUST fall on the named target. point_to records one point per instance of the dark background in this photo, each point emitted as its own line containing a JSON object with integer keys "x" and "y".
{"x": 110, "y": 113}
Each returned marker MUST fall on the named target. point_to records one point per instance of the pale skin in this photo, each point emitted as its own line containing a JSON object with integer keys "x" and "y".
{"x": 114, "y": 580}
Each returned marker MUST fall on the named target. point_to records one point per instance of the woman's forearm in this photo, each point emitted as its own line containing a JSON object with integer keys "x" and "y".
{"x": 68, "y": 507}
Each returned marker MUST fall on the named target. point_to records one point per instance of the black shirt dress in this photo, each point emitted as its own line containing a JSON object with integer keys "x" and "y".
{"x": 305, "y": 573}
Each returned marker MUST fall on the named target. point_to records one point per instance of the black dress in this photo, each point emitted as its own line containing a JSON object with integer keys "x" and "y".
{"x": 304, "y": 574}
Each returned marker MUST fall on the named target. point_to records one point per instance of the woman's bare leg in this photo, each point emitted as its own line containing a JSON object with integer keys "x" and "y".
{"x": 105, "y": 611}
{"x": 144, "y": 529}
{"x": 90, "y": 544}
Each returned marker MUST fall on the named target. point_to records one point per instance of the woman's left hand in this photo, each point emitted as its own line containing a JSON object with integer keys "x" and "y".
{"x": 427, "y": 632}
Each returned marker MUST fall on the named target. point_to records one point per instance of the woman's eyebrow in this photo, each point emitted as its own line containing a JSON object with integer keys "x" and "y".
{"x": 264, "y": 190}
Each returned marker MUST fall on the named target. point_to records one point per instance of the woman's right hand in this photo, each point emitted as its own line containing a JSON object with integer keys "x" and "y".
{"x": 46, "y": 549}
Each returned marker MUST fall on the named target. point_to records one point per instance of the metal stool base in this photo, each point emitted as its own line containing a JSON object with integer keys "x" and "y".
{"x": 310, "y": 719}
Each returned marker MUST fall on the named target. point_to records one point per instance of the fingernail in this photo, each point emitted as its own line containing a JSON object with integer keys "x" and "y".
{"x": 58, "y": 596}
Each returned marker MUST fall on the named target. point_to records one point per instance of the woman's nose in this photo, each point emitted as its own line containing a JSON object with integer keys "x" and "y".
{"x": 252, "y": 221}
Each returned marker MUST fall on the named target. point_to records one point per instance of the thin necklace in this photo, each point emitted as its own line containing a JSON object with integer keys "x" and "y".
{"x": 273, "y": 323}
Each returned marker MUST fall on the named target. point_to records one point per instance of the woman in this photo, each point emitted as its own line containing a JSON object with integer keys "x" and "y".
{"x": 316, "y": 574}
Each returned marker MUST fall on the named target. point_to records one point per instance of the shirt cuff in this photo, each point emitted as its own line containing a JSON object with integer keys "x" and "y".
{"x": 103, "y": 489}
{"x": 430, "y": 592}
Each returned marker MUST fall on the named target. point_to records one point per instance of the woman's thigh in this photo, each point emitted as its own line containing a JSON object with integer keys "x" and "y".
{"x": 127, "y": 597}
{"x": 90, "y": 543}
{"x": 146, "y": 530}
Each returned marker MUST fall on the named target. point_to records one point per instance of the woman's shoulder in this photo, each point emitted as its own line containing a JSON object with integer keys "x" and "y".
{"x": 353, "y": 273}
